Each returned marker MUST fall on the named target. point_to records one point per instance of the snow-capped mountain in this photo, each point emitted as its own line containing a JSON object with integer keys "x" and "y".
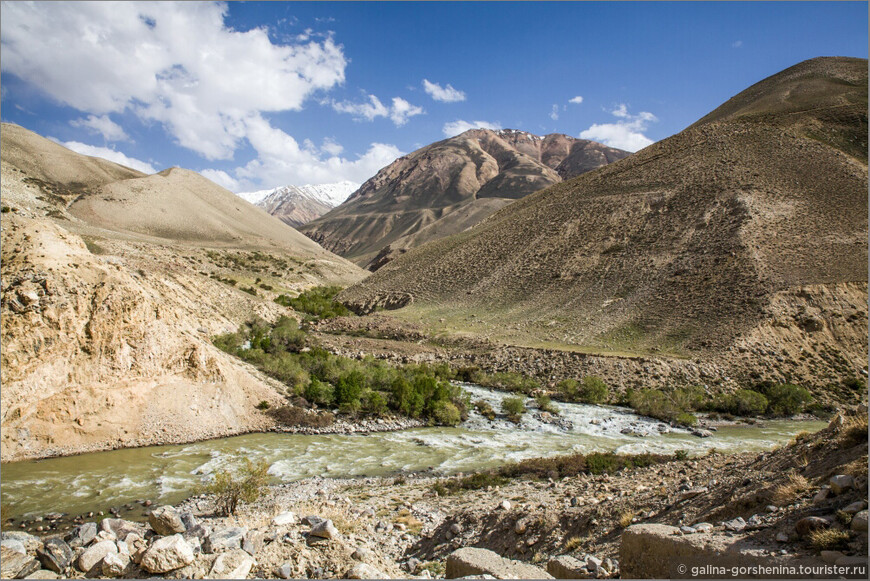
{"x": 298, "y": 205}
{"x": 329, "y": 194}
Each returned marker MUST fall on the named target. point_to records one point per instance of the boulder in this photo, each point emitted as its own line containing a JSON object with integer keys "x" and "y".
{"x": 121, "y": 528}
{"x": 859, "y": 522}
{"x": 253, "y": 542}
{"x": 14, "y": 545}
{"x": 822, "y": 495}
{"x": 364, "y": 571}
{"x": 808, "y": 524}
{"x": 736, "y": 525}
{"x": 692, "y": 492}
{"x": 94, "y": 554}
{"x": 285, "y": 518}
{"x": 55, "y": 555}
{"x": 285, "y": 571}
{"x": 224, "y": 540}
{"x": 233, "y": 564}
{"x": 567, "y": 567}
{"x": 362, "y": 554}
{"x": 841, "y": 483}
{"x": 83, "y": 535}
{"x": 166, "y": 521}
{"x": 325, "y": 530}
{"x": 188, "y": 520}
{"x": 30, "y": 542}
{"x": 472, "y": 561}
{"x": 166, "y": 554}
{"x": 42, "y": 574}
{"x": 115, "y": 564}
{"x": 855, "y": 507}
{"x": 14, "y": 565}
{"x": 312, "y": 520}
{"x": 654, "y": 551}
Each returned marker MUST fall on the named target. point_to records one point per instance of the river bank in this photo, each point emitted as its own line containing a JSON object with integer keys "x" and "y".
{"x": 403, "y": 526}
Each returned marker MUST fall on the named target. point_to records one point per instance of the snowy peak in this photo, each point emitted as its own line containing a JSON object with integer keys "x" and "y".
{"x": 298, "y": 205}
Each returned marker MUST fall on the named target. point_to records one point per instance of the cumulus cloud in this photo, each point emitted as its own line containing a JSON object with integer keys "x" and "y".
{"x": 444, "y": 94}
{"x": 369, "y": 110}
{"x": 282, "y": 160}
{"x": 102, "y": 125}
{"x": 626, "y": 133}
{"x": 554, "y": 113}
{"x": 178, "y": 64}
{"x": 109, "y": 154}
{"x": 459, "y": 126}
{"x": 576, "y": 100}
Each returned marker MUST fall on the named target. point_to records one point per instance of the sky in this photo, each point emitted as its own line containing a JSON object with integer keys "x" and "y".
{"x": 256, "y": 95}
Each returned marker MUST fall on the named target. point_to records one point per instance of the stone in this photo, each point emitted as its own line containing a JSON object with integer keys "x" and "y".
{"x": 831, "y": 557}
{"x": 808, "y": 524}
{"x": 188, "y": 520}
{"x": 703, "y": 527}
{"x": 121, "y": 528}
{"x": 567, "y": 567}
{"x": 505, "y": 505}
{"x": 94, "y": 554}
{"x": 224, "y": 540}
{"x": 42, "y": 574}
{"x": 30, "y": 542}
{"x": 855, "y": 507}
{"x": 312, "y": 520}
{"x": 83, "y": 535}
{"x": 521, "y": 526}
{"x": 325, "y": 530}
{"x": 859, "y": 522}
{"x": 55, "y": 555}
{"x": 166, "y": 521}
{"x": 822, "y": 495}
{"x": 841, "y": 483}
{"x": 14, "y": 545}
{"x": 593, "y": 563}
{"x": 736, "y": 525}
{"x": 364, "y": 571}
{"x": 473, "y": 561}
{"x": 285, "y": 571}
{"x": 253, "y": 542}
{"x": 692, "y": 493}
{"x": 412, "y": 564}
{"x": 167, "y": 554}
{"x": 14, "y": 565}
{"x": 285, "y": 518}
{"x": 455, "y": 529}
{"x": 233, "y": 564}
{"x": 115, "y": 564}
{"x": 197, "y": 532}
{"x": 362, "y": 554}
{"x": 782, "y": 537}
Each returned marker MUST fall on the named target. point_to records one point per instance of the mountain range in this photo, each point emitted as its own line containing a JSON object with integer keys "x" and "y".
{"x": 447, "y": 187}
{"x": 742, "y": 239}
{"x": 298, "y": 205}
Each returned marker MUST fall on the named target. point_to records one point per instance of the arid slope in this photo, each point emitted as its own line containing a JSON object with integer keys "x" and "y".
{"x": 114, "y": 282}
{"x": 447, "y": 187}
{"x": 742, "y": 237}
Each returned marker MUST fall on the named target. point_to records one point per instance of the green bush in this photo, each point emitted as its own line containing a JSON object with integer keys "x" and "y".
{"x": 445, "y": 413}
{"x": 545, "y": 404}
{"x": 229, "y": 342}
{"x": 319, "y": 393}
{"x": 514, "y": 408}
{"x": 593, "y": 390}
{"x": 316, "y": 303}
{"x": 374, "y": 402}
{"x": 263, "y": 405}
{"x": 569, "y": 389}
{"x": 686, "y": 419}
{"x": 748, "y": 402}
{"x": 287, "y": 336}
{"x": 230, "y": 490}
{"x": 787, "y": 399}
{"x": 484, "y": 409}
{"x": 349, "y": 388}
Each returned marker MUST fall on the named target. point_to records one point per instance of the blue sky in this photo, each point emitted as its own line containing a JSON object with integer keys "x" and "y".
{"x": 261, "y": 94}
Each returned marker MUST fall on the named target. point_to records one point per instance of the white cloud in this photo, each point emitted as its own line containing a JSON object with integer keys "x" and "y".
{"x": 626, "y": 133}
{"x": 737, "y": 44}
{"x": 110, "y": 130}
{"x": 402, "y": 111}
{"x": 282, "y": 160}
{"x": 399, "y": 112}
{"x": 444, "y": 94}
{"x": 554, "y": 113}
{"x": 576, "y": 100}
{"x": 222, "y": 179}
{"x": 109, "y": 154}
{"x": 174, "y": 63}
{"x": 459, "y": 126}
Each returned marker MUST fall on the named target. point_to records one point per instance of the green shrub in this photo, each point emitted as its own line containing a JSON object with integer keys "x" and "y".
{"x": 230, "y": 490}
{"x": 229, "y": 342}
{"x": 686, "y": 419}
{"x": 786, "y": 399}
{"x": 319, "y": 393}
{"x": 681, "y": 455}
{"x": 569, "y": 389}
{"x": 349, "y": 388}
{"x": 749, "y": 403}
{"x": 263, "y": 405}
{"x": 514, "y": 408}
{"x": 374, "y": 402}
{"x": 593, "y": 390}
{"x": 546, "y": 405}
{"x": 286, "y": 335}
{"x": 484, "y": 409}
{"x": 600, "y": 463}
{"x": 446, "y": 414}
{"x": 316, "y": 303}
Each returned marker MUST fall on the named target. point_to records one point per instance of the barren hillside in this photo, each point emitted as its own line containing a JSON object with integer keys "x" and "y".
{"x": 743, "y": 238}
{"x": 447, "y": 187}
{"x": 113, "y": 284}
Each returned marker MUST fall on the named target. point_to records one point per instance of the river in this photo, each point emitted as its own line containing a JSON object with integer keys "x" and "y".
{"x": 167, "y": 474}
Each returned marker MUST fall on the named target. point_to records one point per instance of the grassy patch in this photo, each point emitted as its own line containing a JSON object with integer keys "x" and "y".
{"x": 792, "y": 489}
{"x": 317, "y": 303}
{"x": 829, "y": 539}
